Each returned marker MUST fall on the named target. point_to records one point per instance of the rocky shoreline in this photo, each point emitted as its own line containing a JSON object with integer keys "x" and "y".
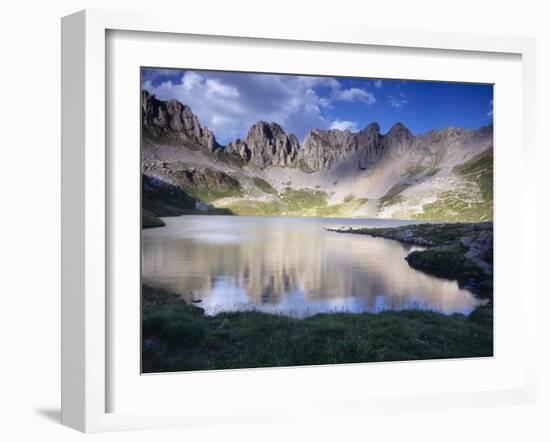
{"x": 457, "y": 251}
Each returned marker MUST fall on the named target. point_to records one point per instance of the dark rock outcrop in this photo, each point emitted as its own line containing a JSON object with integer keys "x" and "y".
{"x": 175, "y": 121}
{"x": 164, "y": 199}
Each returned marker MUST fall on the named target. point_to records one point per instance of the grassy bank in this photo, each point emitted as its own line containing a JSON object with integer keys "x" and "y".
{"x": 296, "y": 202}
{"x": 149, "y": 219}
{"x": 178, "y": 337}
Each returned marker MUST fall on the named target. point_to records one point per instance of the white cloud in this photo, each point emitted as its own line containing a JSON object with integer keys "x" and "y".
{"x": 378, "y": 84}
{"x": 229, "y": 103}
{"x": 397, "y": 101}
{"x": 190, "y": 81}
{"x": 215, "y": 87}
{"x": 490, "y": 113}
{"x": 325, "y": 102}
{"x": 353, "y": 94}
{"x": 344, "y": 125}
{"x": 219, "y": 120}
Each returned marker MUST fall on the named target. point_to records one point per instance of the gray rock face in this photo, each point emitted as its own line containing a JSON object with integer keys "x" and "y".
{"x": 267, "y": 145}
{"x": 480, "y": 245}
{"x": 240, "y": 148}
{"x": 398, "y": 136}
{"x": 323, "y": 148}
{"x": 174, "y": 120}
{"x": 370, "y": 148}
{"x": 450, "y": 134}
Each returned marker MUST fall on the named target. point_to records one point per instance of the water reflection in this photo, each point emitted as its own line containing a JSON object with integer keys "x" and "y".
{"x": 290, "y": 266}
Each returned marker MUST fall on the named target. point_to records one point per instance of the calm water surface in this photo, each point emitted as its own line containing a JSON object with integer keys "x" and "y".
{"x": 290, "y": 266}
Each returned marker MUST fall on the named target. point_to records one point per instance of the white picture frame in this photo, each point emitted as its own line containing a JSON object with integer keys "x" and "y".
{"x": 85, "y": 202}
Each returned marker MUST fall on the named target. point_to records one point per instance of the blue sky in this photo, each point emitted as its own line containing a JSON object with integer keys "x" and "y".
{"x": 228, "y": 103}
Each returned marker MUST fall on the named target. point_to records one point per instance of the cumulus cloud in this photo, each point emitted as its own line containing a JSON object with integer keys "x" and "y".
{"x": 378, "y": 84}
{"x": 397, "y": 101}
{"x": 344, "y": 125}
{"x": 229, "y": 103}
{"x": 353, "y": 94}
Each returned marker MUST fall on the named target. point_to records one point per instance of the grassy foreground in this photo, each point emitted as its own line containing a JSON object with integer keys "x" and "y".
{"x": 177, "y": 336}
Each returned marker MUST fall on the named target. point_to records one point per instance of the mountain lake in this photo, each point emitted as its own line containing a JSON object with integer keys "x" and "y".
{"x": 291, "y": 266}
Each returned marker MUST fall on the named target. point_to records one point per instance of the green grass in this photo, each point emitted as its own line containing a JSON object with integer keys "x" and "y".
{"x": 349, "y": 198}
{"x": 480, "y": 170}
{"x": 207, "y": 184}
{"x": 345, "y": 209}
{"x": 301, "y": 202}
{"x": 165, "y": 199}
{"x": 457, "y": 206}
{"x": 393, "y": 196}
{"x": 179, "y": 337}
{"x": 471, "y": 201}
{"x": 292, "y": 202}
{"x": 446, "y": 262}
{"x": 149, "y": 219}
{"x": 298, "y": 200}
{"x": 474, "y": 202}
{"x": 450, "y": 263}
{"x": 256, "y": 208}
{"x": 264, "y": 186}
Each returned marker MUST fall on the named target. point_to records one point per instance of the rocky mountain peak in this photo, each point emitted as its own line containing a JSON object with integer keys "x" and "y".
{"x": 322, "y": 148}
{"x": 397, "y": 138}
{"x": 263, "y": 129}
{"x": 265, "y": 145}
{"x": 399, "y": 133}
{"x": 174, "y": 120}
{"x": 484, "y": 133}
{"x": 373, "y": 128}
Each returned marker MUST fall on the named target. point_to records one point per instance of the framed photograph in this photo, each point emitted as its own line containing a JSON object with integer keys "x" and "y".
{"x": 273, "y": 223}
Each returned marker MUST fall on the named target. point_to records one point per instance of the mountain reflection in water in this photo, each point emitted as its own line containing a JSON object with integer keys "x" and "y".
{"x": 290, "y": 266}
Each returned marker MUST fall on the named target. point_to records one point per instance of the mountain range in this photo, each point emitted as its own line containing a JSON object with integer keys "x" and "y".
{"x": 444, "y": 174}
